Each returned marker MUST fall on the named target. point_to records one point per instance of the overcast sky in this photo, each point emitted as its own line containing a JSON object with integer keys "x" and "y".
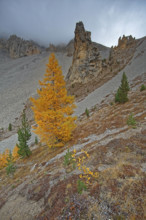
{"x": 53, "y": 21}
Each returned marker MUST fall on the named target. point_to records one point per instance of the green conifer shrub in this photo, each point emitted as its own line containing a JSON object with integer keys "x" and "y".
{"x": 117, "y": 99}
{"x": 142, "y": 88}
{"x": 81, "y": 186}
{"x": 87, "y": 112}
{"x": 24, "y": 135}
{"x": 122, "y": 92}
{"x": 131, "y": 121}
{"x": 10, "y": 169}
{"x": 10, "y": 127}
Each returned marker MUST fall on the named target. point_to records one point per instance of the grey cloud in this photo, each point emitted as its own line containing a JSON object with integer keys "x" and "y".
{"x": 48, "y": 21}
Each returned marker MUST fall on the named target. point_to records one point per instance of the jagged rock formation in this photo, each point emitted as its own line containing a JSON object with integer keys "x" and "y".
{"x": 125, "y": 42}
{"x": 17, "y": 47}
{"x": 86, "y": 57}
{"x": 94, "y": 64}
{"x": 122, "y": 53}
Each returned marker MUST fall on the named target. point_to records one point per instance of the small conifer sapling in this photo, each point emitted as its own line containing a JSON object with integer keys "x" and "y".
{"x": 122, "y": 92}
{"x": 24, "y": 135}
{"x": 10, "y": 169}
{"x": 10, "y": 127}
{"x": 87, "y": 112}
{"x": 142, "y": 88}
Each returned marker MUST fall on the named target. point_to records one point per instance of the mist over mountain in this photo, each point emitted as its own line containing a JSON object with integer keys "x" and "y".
{"x": 54, "y": 21}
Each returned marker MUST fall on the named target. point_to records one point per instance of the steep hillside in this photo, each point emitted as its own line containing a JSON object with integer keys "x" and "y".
{"x": 43, "y": 188}
{"x": 19, "y": 80}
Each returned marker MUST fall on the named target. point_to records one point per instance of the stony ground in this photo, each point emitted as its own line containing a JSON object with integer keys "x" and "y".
{"x": 44, "y": 188}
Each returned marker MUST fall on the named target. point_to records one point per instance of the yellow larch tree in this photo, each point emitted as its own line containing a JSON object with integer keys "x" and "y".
{"x": 15, "y": 153}
{"x": 53, "y": 108}
{"x": 3, "y": 158}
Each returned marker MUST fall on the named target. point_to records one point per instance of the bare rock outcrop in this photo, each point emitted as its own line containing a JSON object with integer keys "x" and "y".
{"x": 119, "y": 56}
{"x": 93, "y": 64}
{"x": 17, "y": 47}
{"x": 126, "y": 42}
{"x": 86, "y": 57}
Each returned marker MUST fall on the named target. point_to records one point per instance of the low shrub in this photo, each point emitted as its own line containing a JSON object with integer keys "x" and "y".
{"x": 69, "y": 158}
{"x": 131, "y": 121}
{"x": 24, "y": 134}
{"x": 10, "y": 169}
{"x": 142, "y": 88}
{"x": 81, "y": 186}
{"x": 36, "y": 140}
{"x": 87, "y": 112}
{"x": 122, "y": 92}
{"x": 10, "y": 127}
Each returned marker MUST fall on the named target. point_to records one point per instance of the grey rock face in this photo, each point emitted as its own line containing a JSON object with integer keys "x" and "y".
{"x": 86, "y": 57}
{"x": 17, "y": 47}
{"x": 92, "y": 62}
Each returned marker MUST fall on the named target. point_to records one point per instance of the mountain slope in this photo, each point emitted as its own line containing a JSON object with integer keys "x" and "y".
{"x": 15, "y": 92}
{"x": 19, "y": 80}
{"x": 136, "y": 67}
{"x": 43, "y": 188}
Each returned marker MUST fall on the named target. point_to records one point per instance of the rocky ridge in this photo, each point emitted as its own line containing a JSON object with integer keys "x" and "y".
{"x": 94, "y": 63}
{"x": 17, "y": 47}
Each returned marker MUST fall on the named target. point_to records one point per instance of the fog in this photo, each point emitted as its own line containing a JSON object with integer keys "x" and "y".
{"x": 53, "y": 21}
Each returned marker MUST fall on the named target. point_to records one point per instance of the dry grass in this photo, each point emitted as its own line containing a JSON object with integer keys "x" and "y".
{"x": 119, "y": 192}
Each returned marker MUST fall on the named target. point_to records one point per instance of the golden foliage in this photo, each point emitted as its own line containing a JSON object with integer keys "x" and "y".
{"x": 87, "y": 175}
{"x": 53, "y": 108}
{"x": 15, "y": 152}
{"x": 4, "y": 156}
